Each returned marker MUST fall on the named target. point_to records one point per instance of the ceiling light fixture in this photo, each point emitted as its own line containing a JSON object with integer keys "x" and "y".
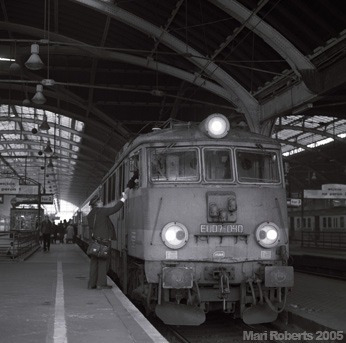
{"x": 14, "y": 67}
{"x": 34, "y": 62}
{"x": 48, "y": 150}
{"x": 44, "y": 125}
{"x": 39, "y": 98}
{"x": 26, "y": 102}
{"x": 50, "y": 164}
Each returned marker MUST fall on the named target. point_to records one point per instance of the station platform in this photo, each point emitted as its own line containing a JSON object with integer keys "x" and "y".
{"x": 320, "y": 301}
{"x": 297, "y": 250}
{"x": 328, "y": 262}
{"x": 45, "y": 299}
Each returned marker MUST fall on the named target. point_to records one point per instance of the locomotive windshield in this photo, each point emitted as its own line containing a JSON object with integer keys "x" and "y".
{"x": 182, "y": 165}
{"x": 257, "y": 166}
{"x": 218, "y": 164}
{"x": 174, "y": 164}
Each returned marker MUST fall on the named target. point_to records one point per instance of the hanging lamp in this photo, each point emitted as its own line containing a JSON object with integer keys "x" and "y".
{"x": 34, "y": 62}
{"x": 44, "y": 125}
{"x": 39, "y": 98}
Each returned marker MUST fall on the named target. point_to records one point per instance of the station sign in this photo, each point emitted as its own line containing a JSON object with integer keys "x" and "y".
{"x": 294, "y": 202}
{"x": 47, "y": 199}
{"x": 327, "y": 191}
{"x": 9, "y": 186}
{"x": 28, "y": 189}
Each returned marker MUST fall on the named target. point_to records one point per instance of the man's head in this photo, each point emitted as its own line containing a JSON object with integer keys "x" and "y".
{"x": 96, "y": 201}
{"x": 99, "y": 203}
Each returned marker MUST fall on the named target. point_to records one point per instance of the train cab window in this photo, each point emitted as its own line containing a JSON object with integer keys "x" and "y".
{"x": 218, "y": 165}
{"x": 134, "y": 167}
{"x": 257, "y": 166}
{"x": 175, "y": 164}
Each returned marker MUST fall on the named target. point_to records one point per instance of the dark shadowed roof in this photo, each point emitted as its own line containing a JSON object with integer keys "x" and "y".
{"x": 114, "y": 69}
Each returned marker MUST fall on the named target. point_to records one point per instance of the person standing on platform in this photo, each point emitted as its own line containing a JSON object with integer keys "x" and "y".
{"x": 101, "y": 229}
{"x": 69, "y": 233}
{"x": 46, "y": 229}
{"x": 61, "y": 231}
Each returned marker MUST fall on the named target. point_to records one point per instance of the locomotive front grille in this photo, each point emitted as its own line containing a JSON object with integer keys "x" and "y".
{"x": 279, "y": 276}
{"x": 177, "y": 277}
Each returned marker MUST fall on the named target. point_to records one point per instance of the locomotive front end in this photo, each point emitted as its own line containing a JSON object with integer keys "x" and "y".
{"x": 217, "y": 235}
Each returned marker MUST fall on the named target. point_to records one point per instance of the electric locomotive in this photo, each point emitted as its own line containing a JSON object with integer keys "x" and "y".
{"x": 205, "y": 228}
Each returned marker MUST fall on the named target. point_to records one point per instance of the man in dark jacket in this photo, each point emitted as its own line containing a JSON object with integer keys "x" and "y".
{"x": 103, "y": 232}
{"x": 46, "y": 229}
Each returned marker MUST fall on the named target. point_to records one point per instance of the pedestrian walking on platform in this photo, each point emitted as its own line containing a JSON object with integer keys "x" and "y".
{"x": 46, "y": 229}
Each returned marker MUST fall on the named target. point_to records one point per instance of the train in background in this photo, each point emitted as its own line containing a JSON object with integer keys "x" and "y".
{"x": 319, "y": 219}
{"x": 205, "y": 229}
{"x": 321, "y": 224}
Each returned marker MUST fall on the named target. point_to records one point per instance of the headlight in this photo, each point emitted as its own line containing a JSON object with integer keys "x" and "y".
{"x": 216, "y": 125}
{"x": 267, "y": 235}
{"x": 174, "y": 235}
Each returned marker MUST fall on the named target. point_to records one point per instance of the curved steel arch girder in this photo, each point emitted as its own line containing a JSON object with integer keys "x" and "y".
{"x": 272, "y": 37}
{"x": 237, "y": 93}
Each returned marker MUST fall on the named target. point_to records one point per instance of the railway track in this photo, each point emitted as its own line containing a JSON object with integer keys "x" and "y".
{"x": 219, "y": 328}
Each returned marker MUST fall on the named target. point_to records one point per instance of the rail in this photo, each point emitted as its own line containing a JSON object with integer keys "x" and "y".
{"x": 323, "y": 239}
{"x": 18, "y": 244}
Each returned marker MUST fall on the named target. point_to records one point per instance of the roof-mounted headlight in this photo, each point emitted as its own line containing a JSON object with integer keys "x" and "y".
{"x": 216, "y": 125}
{"x": 267, "y": 235}
{"x": 174, "y": 235}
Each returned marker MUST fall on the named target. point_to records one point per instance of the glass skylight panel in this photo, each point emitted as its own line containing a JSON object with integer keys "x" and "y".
{"x": 76, "y": 138}
{"x": 320, "y": 142}
{"x": 64, "y": 134}
{"x": 286, "y": 134}
{"x": 7, "y": 125}
{"x": 65, "y": 121}
{"x": 79, "y": 126}
{"x": 23, "y": 120}
{"x": 65, "y": 145}
{"x": 324, "y": 124}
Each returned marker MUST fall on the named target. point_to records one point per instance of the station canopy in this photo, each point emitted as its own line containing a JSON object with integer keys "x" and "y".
{"x": 106, "y": 71}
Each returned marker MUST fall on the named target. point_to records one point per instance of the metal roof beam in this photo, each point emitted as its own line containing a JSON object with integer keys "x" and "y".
{"x": 272, "y": 37}
{"x": 237, "y": 94}
{"x": 304, "y": 92}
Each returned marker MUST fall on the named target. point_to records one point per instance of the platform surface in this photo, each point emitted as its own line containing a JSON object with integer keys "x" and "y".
{"x": 321, "y": 300}
{"x": 45, "y": 299}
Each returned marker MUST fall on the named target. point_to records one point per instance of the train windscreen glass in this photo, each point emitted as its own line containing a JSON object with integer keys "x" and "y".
{"x": 174, "y": 164}
{"x": 218, "y": 165}
{"x": 257, "y": 166}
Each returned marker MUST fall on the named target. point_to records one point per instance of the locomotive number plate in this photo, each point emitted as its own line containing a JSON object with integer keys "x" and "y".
{"x": 223, "y": 229}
